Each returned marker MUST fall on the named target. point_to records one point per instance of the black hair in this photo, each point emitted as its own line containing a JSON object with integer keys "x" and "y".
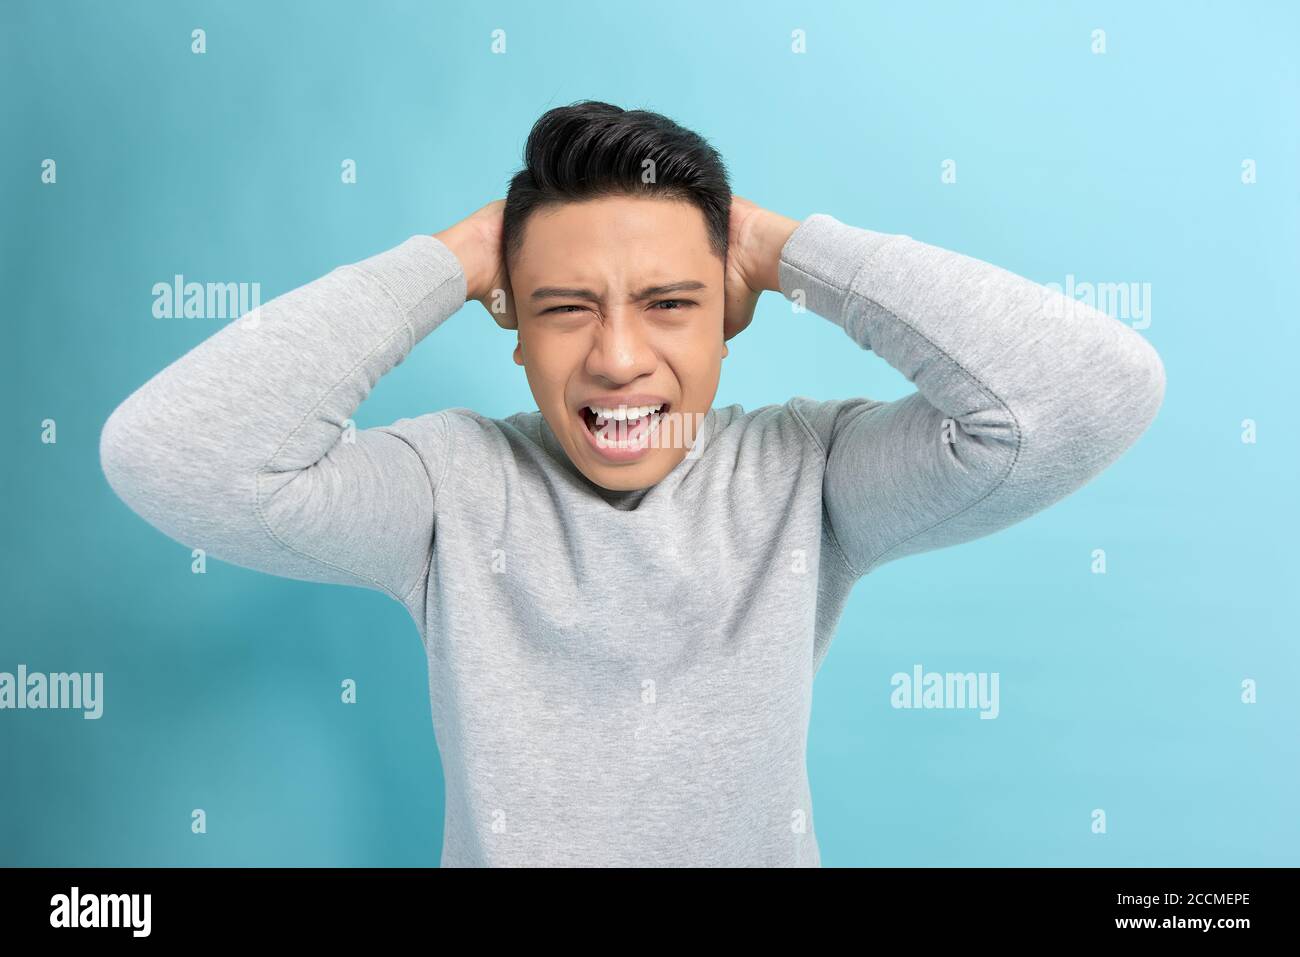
{"x": 591, "y": 149}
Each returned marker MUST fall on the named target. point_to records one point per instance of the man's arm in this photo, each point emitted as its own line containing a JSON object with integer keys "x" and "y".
{"x": 1022, "y": 395}
{"x": 242, "y": 446}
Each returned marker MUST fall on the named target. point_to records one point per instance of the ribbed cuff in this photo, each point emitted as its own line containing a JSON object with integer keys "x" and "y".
{"x": 425, "y": 278}
{"x": 821, "y": 260}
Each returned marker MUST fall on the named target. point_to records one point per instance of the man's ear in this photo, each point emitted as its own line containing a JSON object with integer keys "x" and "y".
{"x": 519, "y": 350}
{"x": 724, "y": 349}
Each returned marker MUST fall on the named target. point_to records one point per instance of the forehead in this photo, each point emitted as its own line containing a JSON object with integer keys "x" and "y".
{"x": 612, "y": 236}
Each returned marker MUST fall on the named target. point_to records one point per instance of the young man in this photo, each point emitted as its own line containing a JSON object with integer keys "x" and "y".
{"x": 622, "y": 631}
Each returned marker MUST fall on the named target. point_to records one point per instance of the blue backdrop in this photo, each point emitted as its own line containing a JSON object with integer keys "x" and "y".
{"x": 1162, "y": 153}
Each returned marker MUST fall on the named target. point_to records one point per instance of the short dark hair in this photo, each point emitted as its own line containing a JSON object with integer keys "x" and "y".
{"x": 591, "y": 149}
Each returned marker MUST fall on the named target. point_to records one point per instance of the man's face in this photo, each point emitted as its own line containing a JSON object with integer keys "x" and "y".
{"x": 619, "y": 303}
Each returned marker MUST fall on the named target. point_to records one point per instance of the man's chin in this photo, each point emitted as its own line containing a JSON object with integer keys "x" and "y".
{"x": 632, "y": 476}
{"x": 628, "y": 477}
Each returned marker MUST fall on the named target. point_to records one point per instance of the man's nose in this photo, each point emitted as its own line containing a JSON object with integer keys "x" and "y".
{"x": 622, "y": 350}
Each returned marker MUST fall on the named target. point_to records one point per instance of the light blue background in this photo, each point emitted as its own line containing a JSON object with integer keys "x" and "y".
{"x": 1118, "y": 691}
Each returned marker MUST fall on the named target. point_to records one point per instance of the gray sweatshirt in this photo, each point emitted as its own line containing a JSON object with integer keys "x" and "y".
{"x": 625, "y": 678}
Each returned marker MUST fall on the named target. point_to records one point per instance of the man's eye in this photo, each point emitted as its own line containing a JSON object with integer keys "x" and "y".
{"x": 664, "y": 305}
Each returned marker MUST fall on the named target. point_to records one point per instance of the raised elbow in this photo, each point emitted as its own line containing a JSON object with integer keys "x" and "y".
{"x": 138, "y": 468}
{"x": 119, "y": 456}
{"x": 1145, "y": 378}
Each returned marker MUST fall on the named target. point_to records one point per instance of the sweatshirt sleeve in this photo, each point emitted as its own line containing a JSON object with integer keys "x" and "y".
{"x": 1022, "y": 395}
{"x": 244, "y": 445}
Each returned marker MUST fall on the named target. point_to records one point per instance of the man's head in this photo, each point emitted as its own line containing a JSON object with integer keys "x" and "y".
{"x": 615, "y": 239}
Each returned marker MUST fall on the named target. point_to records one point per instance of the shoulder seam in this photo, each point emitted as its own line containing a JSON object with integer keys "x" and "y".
{"x": 450, "y": 436}
{"x": 826, "y": 516}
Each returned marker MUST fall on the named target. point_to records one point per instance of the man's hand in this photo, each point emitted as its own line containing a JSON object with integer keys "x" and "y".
{"x": 476, "y": 241}
{"x": 756, "y": 238}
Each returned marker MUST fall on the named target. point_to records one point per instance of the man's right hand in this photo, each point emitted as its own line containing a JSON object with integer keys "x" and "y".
{"x": 476, "y": 241}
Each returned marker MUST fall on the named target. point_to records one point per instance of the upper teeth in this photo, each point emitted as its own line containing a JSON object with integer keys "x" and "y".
{"x": 624, "y": 411}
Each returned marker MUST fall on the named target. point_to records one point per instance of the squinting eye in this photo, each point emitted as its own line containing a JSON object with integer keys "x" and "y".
{"x": 558, "y": 308}
{"x": 677, "y": 302}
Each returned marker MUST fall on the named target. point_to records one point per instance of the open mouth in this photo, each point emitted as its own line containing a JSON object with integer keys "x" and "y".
{"x": 624, "y": 427}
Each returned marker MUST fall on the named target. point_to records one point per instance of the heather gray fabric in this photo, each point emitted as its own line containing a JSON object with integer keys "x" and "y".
{"x": 626, "y": 678}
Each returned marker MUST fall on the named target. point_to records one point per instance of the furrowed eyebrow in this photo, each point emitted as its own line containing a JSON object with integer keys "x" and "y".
{"x": 649, "y": 292}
